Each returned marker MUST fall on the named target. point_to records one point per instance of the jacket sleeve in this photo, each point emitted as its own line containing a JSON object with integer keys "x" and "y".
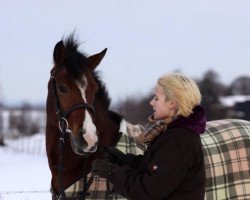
{"x": 132, "y": 161}
{"x": 163, "y": 173}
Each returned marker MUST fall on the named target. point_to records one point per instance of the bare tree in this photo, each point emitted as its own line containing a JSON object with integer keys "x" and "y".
{"x": 1, "y": 123}
{"x": 135, "y": 110}
{"x": 212, "y": 89}
{"x": 1, "y": 127}
{"x": 240, "y": 86}
{"x": 23, "y": 122}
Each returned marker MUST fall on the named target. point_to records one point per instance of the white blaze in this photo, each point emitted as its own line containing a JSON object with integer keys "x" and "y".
{"x": 89, "y": 128}
{"x": 90, "y": 135}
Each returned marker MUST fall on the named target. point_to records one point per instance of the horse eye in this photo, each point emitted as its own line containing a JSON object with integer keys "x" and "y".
{"x": 62, "y": 89}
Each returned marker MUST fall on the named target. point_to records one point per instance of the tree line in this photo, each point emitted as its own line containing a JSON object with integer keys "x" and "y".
{"x": 137, "y": 109}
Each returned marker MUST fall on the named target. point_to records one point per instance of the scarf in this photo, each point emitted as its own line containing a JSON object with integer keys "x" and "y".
{"x": 151, "y": 131}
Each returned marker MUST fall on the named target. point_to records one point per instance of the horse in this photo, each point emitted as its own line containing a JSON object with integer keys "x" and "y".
{"x": 78, "y": 121}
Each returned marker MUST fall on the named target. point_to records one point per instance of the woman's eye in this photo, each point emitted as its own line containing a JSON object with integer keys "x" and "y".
{"x": 62, "y": 89}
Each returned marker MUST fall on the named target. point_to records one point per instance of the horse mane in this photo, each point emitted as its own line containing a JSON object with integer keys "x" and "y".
{"x": 77, "y": 63}
{"x": 102, "y": 93}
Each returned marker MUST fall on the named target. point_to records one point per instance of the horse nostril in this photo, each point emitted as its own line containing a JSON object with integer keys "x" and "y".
{"x": 93, "y": 148}
{"x": 81, "y": 133}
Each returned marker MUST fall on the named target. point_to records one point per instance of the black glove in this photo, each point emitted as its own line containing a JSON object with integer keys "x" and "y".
{"x": 114, "y": 155}
{"x": 102, "y": 168}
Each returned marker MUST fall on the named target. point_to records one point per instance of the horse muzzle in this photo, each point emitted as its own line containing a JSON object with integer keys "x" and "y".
{"x": 81, "y": 147}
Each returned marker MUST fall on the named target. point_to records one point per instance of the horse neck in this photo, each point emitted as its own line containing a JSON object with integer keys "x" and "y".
{"x": 107, "y": 126}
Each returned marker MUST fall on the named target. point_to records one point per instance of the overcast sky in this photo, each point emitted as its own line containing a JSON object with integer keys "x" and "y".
{"x": 145, "y": 39}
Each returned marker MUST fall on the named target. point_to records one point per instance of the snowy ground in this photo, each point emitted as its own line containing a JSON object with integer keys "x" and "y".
{"x": 24, "y": 175}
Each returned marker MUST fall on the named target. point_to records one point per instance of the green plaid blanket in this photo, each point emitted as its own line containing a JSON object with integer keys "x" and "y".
{"x": 226, "y": 146}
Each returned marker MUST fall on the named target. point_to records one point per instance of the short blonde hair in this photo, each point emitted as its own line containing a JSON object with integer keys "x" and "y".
{"x": 183, "y": 90}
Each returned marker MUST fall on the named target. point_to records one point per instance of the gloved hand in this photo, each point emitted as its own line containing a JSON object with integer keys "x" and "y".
{"x": 102, "y": 168}
{"x": 114, "y": 155}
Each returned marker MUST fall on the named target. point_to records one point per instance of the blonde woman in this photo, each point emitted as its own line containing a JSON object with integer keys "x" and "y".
{"x": 172, "y": 166}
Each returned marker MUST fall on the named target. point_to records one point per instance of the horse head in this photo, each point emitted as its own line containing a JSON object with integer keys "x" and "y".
{"x": 74, "y": 90}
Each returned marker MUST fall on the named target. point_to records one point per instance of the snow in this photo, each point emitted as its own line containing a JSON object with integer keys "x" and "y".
{"x": 24, "y": 172}
{"x": 230, "y": 101}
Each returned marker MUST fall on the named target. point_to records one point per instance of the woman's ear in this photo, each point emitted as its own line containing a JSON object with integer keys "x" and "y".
{"x": 173, "y": 106}
{"x": 173, "y": 103}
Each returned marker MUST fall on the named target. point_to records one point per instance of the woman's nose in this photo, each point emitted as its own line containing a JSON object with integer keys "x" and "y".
{"x": 151, "y": 102}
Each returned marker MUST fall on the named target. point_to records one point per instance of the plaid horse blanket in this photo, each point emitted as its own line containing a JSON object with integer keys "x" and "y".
{"x": 226, "y": 146}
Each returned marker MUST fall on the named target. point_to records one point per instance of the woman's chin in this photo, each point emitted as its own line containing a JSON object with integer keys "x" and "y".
{"x": 155, "y": 116}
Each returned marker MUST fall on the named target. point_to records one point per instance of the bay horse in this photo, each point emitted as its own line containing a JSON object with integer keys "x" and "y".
{"x": 77, "y": 107}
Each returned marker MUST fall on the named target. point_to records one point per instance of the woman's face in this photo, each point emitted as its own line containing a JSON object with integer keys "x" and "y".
{"x": 162, "y": 108}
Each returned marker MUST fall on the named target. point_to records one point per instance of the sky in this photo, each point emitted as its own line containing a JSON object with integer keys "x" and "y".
{"x": 145, "y": 39}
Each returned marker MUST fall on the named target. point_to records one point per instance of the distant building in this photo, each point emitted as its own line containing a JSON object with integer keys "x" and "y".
{"x": 238, "y": 106}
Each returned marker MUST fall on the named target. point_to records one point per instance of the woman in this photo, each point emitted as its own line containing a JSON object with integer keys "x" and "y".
{"x": 172, "y": 166}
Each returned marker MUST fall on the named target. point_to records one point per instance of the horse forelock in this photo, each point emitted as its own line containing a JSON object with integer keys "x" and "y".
{"x": 76, "y": 62}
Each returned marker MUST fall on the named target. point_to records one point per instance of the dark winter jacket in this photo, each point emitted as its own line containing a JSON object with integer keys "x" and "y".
{"x": 172, "y": 168}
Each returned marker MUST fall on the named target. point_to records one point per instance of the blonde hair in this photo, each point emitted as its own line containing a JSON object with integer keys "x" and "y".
{"x": 183, "y": 90}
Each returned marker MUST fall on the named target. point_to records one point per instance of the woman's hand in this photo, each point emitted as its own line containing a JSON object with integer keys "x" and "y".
{"x": 102, "y": 168}
{"x": 114, "y": 155}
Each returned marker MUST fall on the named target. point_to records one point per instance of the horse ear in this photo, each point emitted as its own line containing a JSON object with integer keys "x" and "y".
{"x": 96, "y": 59}
{"x": 59, "y": 54}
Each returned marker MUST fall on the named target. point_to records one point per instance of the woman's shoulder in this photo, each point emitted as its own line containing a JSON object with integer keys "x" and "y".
{"x": 178, "y": 136}
{"x": 180, "y": 132}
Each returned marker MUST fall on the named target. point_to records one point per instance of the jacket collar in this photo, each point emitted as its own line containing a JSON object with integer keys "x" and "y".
{"x": 196, "y": 122}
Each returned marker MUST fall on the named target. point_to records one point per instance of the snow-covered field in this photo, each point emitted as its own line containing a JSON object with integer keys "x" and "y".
{"x": 24, "y": 172}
